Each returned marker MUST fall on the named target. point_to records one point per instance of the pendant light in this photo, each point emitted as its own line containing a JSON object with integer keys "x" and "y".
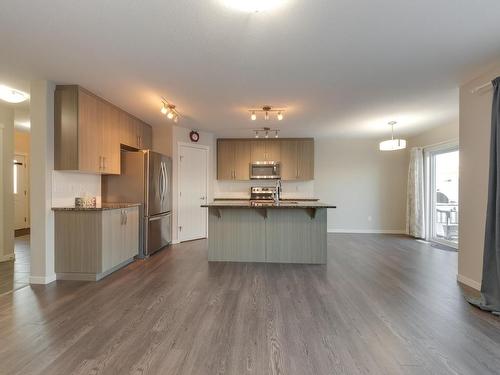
{"x": 392, "y": 144}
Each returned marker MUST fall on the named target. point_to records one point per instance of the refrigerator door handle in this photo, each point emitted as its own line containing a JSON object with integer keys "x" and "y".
{"x": 160, "y": 182}
{"x": 165, "y": 179}
{"x": 156, "y": 218}
{"x": 162, "y": 176}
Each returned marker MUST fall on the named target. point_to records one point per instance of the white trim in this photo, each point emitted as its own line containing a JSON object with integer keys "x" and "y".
{"x": 42, "y": 280}
{"x": 7, "y": 257}
{"x": 175, "y": 242}
{"x": 469, "y": 282}
{"x": 200, "y": 147}
{"x": 369, "y": 231}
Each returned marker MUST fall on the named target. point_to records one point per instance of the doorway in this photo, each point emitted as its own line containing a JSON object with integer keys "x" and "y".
{"x": 21, "y": 194}
{"x": 193, "y": 192}
{"x": 442, "y": 197}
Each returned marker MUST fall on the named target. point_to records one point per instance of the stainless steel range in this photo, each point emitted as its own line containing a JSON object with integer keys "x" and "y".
{"x": 259, "y": 193}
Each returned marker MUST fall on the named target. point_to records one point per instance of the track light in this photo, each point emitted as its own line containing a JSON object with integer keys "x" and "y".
{"x": 256, "y": 134}
{"x": 276, "y": 134}
{"x": 267, "y": 109}
{"x": 169, "y": 110}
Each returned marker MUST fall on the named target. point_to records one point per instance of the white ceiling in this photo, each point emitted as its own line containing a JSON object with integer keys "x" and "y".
{"x": 342, "y": 68}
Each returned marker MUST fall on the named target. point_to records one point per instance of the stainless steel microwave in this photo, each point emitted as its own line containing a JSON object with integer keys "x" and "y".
{"x": 265, "y": 170}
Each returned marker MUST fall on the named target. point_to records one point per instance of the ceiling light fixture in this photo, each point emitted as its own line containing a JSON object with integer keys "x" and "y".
{"x": 169, "y": 110}
{"x": 252, "y": 6}
{"x": 267, "y": 109}
{"x": 266, "y": 131}
{"x": 392, "y": 144}
{"x": 11, "y": 95}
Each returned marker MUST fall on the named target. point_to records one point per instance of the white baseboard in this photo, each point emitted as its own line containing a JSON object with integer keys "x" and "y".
{"x": 7, "y": 258}
{"x": 42, "y": 280}
{"x": 369, "y": 231}
{"x": 175, "y": 242}
{"x": 469, "y": 282}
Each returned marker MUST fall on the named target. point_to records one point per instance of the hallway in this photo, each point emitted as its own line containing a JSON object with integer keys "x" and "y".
{"x": 15, "y": 275}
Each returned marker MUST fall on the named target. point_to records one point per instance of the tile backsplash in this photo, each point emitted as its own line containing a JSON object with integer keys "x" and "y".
{"x": 66, "y": 186}
{"x": 241, "y": 189}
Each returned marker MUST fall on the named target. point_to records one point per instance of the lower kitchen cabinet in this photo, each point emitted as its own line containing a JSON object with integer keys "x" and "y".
{"x": 91, "y": 244}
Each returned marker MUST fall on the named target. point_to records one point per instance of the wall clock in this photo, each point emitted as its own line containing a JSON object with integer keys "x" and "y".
{"x": 194, "y": 136}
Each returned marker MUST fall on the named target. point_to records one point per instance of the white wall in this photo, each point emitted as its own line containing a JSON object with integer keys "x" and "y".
{"x": 7, "y": 195}
{"x": 367, "y": 186}
{"x": 444, "y": 133}
{"x": 42, "y": 166}
{"x": 475, "y": 127}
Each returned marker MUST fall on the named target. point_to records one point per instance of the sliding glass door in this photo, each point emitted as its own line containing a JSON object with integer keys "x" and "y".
{"x": 442, "y": 202}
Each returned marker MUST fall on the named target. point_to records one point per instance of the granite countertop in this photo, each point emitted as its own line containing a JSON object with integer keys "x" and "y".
{"x": 282, "y": 204}
{"x": 104, "y": 207}
{"x": 282, "y": 199}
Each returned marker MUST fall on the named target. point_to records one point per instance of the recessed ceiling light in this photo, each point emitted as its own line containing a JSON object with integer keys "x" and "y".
{"x": 253, "y": 5}
{"x": 12, "y": 95}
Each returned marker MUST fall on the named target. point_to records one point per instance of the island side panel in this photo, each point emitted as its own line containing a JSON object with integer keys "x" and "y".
{"x": 293, "y": 236}
{"x": 238, "y": 235}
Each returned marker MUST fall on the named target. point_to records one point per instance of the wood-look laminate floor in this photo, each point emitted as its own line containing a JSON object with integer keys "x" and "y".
{"x": 15, "y": 274}
{"x": 383, "y": 305}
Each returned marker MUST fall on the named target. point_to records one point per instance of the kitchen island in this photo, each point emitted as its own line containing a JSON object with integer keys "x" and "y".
{"x": 248, "y": 231}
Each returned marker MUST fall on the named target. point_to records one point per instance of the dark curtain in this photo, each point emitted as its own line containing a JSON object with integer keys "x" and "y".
{"x": 490, "y": 286}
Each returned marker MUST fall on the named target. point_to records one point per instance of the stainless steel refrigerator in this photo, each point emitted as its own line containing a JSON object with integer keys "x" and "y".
{"x": 146, "y": 178}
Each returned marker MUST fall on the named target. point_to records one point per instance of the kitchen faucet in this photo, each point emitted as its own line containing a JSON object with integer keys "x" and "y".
{"x": 277, "y": 193}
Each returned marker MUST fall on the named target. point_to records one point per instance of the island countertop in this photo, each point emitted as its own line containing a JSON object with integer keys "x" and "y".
{"x": 260, "y": 204}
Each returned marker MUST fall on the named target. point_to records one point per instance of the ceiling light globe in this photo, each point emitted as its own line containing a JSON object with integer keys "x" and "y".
{"x": 392, "y": 145}
{"x": 170, "y": 115}
{"x": 11, "y": 95}
{"x": 164, "y": 110}
{"x": 252, "y": 6}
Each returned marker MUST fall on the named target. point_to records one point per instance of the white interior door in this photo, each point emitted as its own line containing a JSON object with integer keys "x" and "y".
{"x": 193, "y": 190}
{"x": 21, "y": 194}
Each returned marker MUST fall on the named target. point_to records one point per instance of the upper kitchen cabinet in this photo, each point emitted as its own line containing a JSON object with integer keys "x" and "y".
{"x": 146, "y": 137}
{"x": 233, "y": 159}
{"x": 264, "y": 150}
{"x": 134, "y": 133}
{"x": 88, "y": 132}
{"x": 289, "y": 160}
{"x": 296, "y": 157}
{"x": 85, "y": 132}
{"x": 305, "y": 159}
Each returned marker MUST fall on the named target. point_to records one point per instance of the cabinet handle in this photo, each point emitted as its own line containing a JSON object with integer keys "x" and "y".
{"x": 104, "y": 162}
{"x": 126, "y": 217}
{"x": 121, "y": 217}
{"x": 100, "y": 162}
